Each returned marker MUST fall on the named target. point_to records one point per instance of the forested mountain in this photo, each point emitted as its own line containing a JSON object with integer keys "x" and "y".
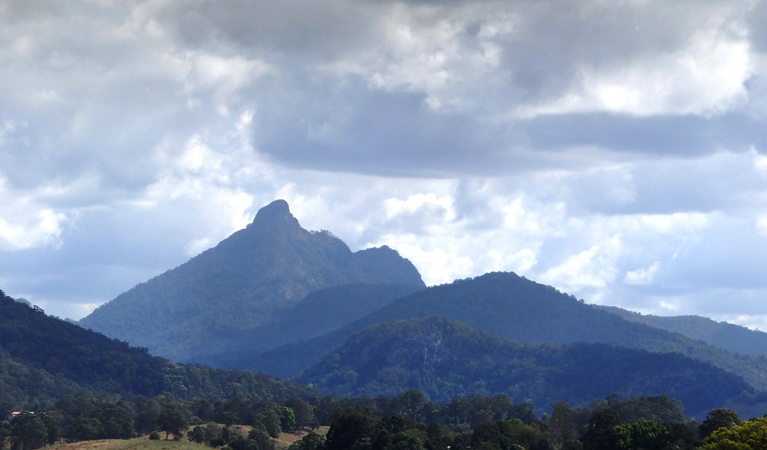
{"x": 42, "y": 358}
{"x": 515, "y": 308}
{"x": 241, "y": 284}
{"x": 321, "y": 312}
{"x": 443, "y": 358}
{"x": 721, "y": 334}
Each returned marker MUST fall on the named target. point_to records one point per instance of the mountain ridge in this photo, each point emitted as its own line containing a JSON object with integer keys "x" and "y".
{"x": 241, "y": 283}
{"x": 724, "y": 335}
{"x": 515, "y": 308}
{"x": 444, "y": 357}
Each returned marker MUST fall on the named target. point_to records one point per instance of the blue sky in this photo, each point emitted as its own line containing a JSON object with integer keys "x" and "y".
{"x": 615, "y": 150}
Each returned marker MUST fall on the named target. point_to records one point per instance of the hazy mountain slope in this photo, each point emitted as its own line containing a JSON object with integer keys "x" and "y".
{"x": 444, "y": 357}
{"x": 241, "y": 284}
{"x": 518, "y": 309}
{"x": 721, "y": 334}
{"x": 522, "y": 310}
{"x": 319, "y": 313}
{"x": 43, "y": 357}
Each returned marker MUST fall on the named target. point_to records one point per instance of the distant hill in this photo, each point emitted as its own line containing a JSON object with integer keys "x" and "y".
{"x": 245, "y": 282}
{"x": 443, "y": 358}
{"x": 319, "y": 313}
{"x": 721, "y": 334}
{"x": 515, "y": 308}
{"x": 43, "y": 358}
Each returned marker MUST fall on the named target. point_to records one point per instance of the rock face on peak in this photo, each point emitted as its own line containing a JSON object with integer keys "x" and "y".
{"x": 275, "y": 214}
{"x": 241, "y": 284}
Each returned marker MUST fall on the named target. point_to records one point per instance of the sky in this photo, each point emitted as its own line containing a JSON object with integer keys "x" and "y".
{"x": 613, "y": 149}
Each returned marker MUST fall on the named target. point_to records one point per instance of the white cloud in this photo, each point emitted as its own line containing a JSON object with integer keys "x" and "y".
{"x": 609, "y": 148}
{"x": 707, "y": 76}
{"x": 26, "y": 223}
{"x": 642, "y": 276}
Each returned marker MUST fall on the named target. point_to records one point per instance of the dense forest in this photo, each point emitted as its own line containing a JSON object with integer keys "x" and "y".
{"x": 511, "y": 307}
{"x": 444, "y": 358}
{"x": 44, "y": 358}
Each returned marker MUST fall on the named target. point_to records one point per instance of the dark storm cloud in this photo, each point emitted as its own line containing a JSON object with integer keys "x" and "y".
{"x": 368, "y": 131}
{"x": 685, "y": 136}
{"x": 345, "y": 122}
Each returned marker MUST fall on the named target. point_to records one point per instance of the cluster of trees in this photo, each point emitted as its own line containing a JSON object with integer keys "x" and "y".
{"x": 213, "y": 422}
{"x": 407, "y": 421}
{"x": 634, "y": 424}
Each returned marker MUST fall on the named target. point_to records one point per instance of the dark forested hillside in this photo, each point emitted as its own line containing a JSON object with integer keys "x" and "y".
{"x": 443, "y": 358}
{"x": 521, "y": 310}
{"x": 241, "y": 284}
{"x": 42, "y": 358}
{"x": 721, "y": 334}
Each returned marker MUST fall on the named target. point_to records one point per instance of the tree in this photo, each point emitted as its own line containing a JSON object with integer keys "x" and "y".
{"x": 28, "y": 432}
{"x": 561, "y": 422}
{"x": 311, "y": 441}
{"x": 229, "y": 418}
{"x": 352, "y": 428}
{"x": 270, "y": 422}
{"x": 718, "y": 418}
{"x": 488, "y": 434}
{"x": 147, "y": 413}
{"x": 5, "y": 427}
{"x": 197, "y": 434}
{"x": 746, "y": 436}
{"x": 84, "y": 429}
{"x": 600, "y": 429}
{"x": 52, "y": 427}
{"x": 287, "y": 419}
{"x": 303, "y": 411}
{"x": 213, "y": 431}
{"x": 172, "y": 419}
{"x": 644, "y": 434}
{"x": 243, "y": 444}
{"x": 405, "y": 441}
{"x": 261, "y": 439}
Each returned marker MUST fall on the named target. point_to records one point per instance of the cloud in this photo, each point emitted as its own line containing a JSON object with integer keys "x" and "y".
{"x": 612, "y": 149}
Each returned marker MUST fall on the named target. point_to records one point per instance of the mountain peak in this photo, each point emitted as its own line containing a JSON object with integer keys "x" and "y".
{"x": 277, "y": 212}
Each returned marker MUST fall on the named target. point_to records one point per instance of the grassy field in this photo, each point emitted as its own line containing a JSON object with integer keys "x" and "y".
{"x": 143, "y": 443}
{"x": 132, "y": 444}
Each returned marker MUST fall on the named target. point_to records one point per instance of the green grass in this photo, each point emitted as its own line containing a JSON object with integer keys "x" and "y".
{"x": 132, "y": 444}
{"x": 142, "y": 443}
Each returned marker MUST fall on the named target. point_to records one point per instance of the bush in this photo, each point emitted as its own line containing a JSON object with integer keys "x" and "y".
{"x": 154, "y": 436}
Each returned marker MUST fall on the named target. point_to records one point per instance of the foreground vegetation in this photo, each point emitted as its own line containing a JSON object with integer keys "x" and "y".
{"x": 408, "y": 421}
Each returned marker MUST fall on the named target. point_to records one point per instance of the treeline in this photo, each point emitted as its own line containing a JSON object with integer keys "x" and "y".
{"x": 408, "y": 421}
